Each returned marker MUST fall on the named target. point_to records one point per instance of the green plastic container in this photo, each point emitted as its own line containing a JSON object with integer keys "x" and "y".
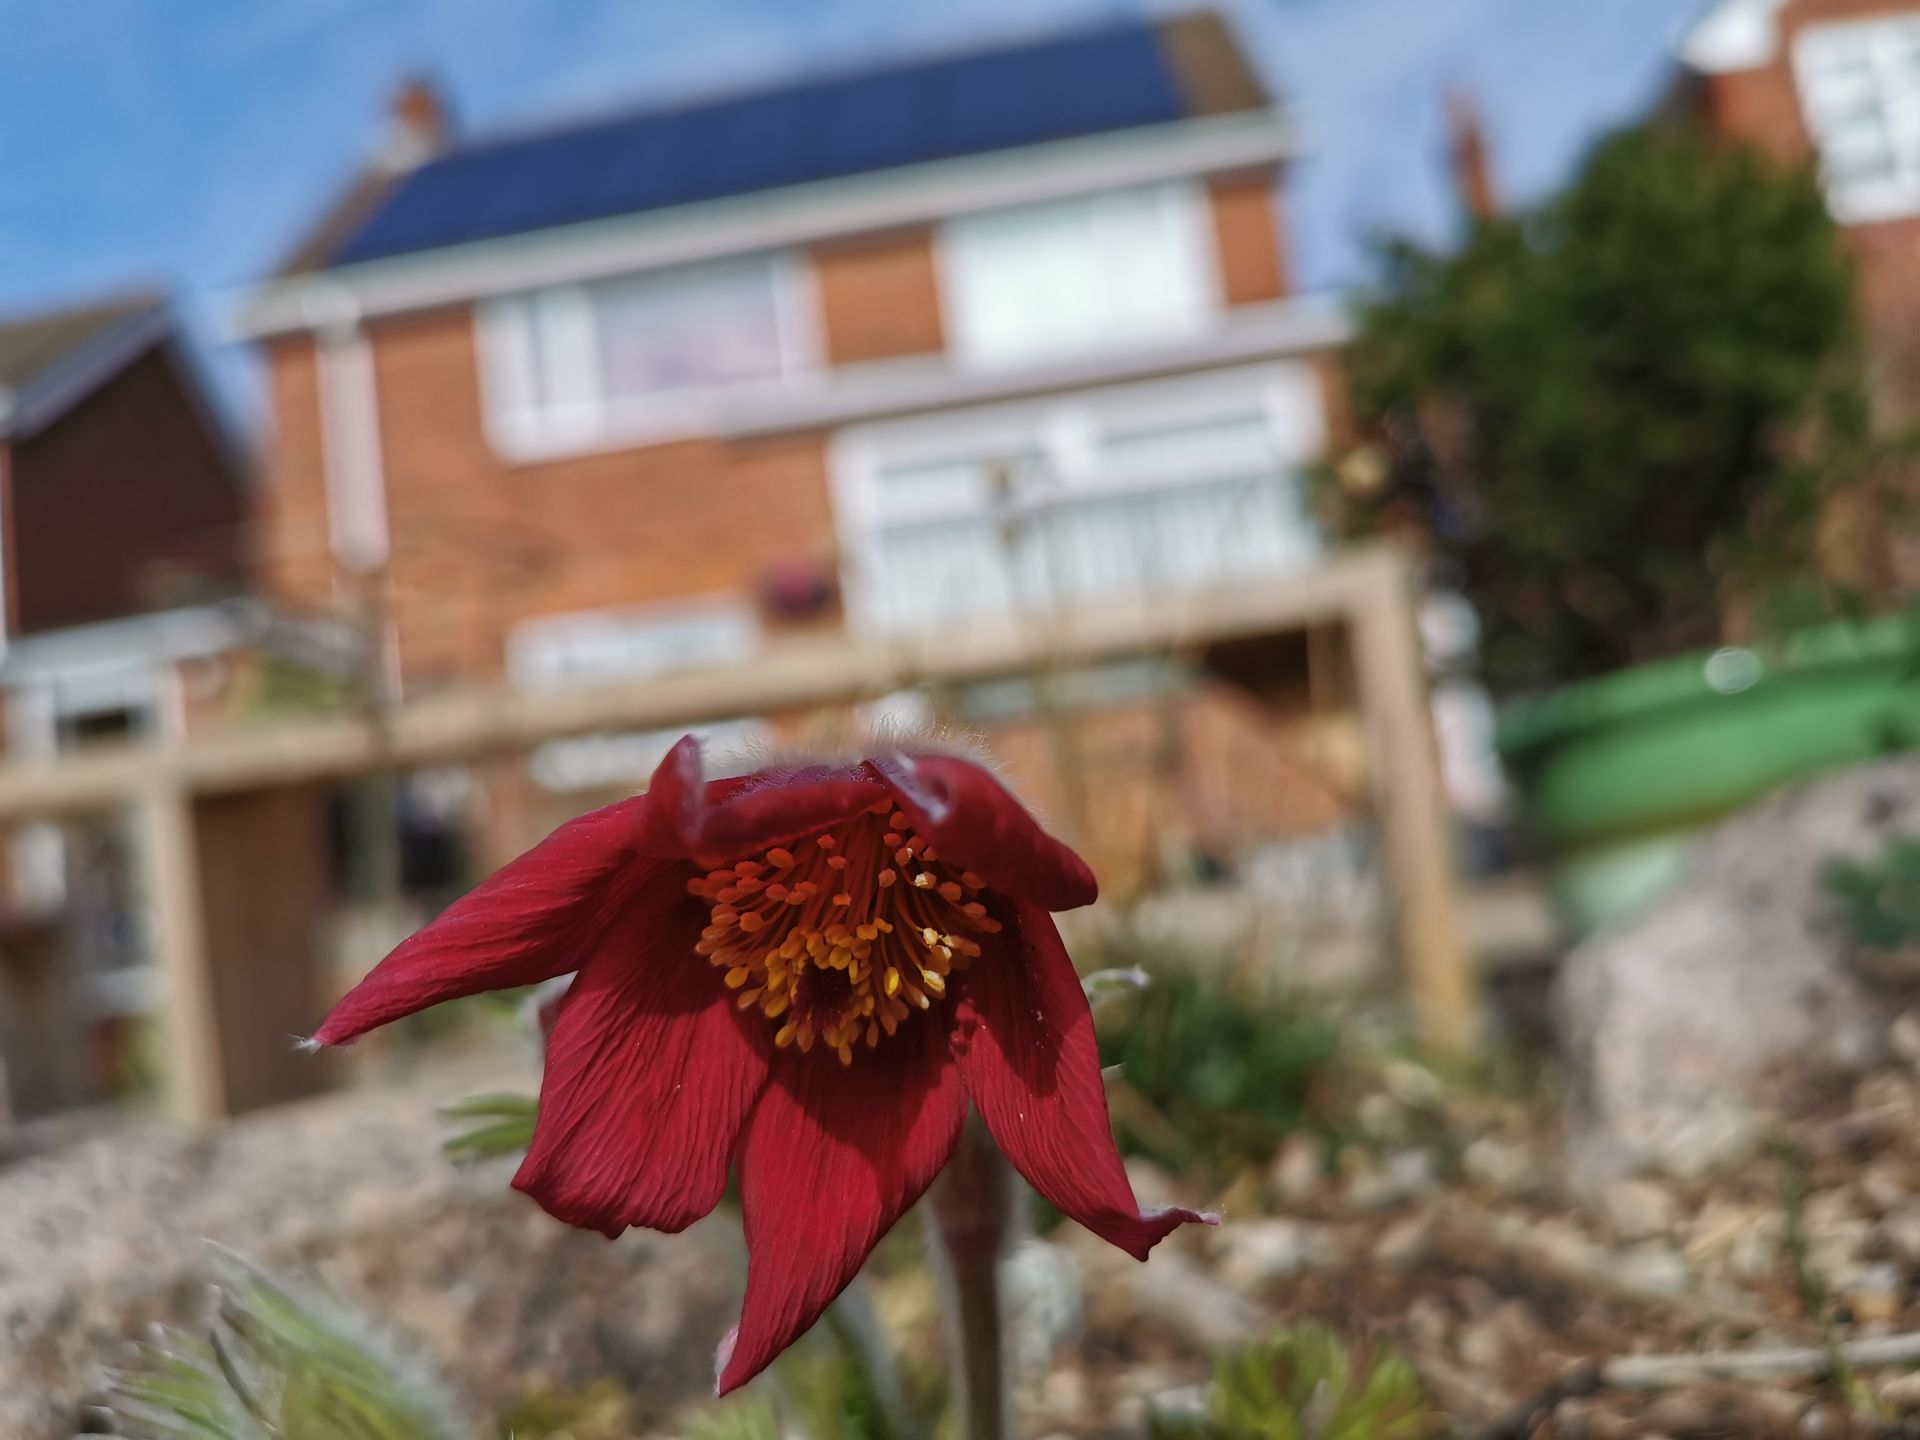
{"x": 1615, "y": 774}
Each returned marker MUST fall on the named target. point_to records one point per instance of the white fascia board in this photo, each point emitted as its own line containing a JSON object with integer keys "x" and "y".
{"x": 1302, "y": 325}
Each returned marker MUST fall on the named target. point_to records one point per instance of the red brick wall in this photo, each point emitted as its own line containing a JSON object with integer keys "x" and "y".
{"x": 124, "y": 504}
{"x": 1247, "y": 238}
{"x": 879, "y": 297}
{"x": 291, "y": 538}
{"x": 480, "y": 543}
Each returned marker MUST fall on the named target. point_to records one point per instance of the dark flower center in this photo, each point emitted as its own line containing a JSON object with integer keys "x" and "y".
{"x": 844, "y": 934}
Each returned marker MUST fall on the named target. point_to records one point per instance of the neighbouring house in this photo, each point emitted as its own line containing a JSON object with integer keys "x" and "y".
{"x": 1835, "y": 83}
{"x": 125, "y": 501}
{"x": 958, "y": 340}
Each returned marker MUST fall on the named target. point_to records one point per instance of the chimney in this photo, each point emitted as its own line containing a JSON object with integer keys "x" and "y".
{"x": 419, "y": 124}
{"x": 1467, "y": 152}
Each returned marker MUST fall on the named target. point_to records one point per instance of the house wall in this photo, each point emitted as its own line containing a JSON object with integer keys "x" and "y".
{"x": 879, "y": 297}
{"x": 291, "y": 536}
{"x": 481, "y": 543}
{"x": 1246, "y": 228}
{"x": 125, "y": 504}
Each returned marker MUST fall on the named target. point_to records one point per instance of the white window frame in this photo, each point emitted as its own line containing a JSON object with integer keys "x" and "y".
{"x": 1189, "y": 212}
{"x": 522, "y": 432}
{"x": 594, "y": 762}
{"x": 735, "y": 623}
{"x": 1879, "y": 41}
{"x": 1288, "y": 394}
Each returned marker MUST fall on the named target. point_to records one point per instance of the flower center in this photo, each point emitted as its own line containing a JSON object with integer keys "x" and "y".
{"x": 844, "y": 934}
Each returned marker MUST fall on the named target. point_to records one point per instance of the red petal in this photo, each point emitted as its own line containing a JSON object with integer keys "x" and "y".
{"x": 529, "y": 921}
{"x": 740, "y": 815}
{"x": 651, "y": 1071}
{"x": 1023, "y": 1038}
{"x": 772, "y": 807}
{"x": 834, "y": 1155}
{"x": 976, "y": 825}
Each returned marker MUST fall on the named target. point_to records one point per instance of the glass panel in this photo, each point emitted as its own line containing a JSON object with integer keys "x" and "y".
{"x": 1177, "y": 451}
{"x": 684, "y": 330}
{"x": 1856, "y": 146}
{"x": 1071, "y": 274}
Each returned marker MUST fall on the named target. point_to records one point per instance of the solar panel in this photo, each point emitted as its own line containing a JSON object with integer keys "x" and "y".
{"x": 1085, "y": 84}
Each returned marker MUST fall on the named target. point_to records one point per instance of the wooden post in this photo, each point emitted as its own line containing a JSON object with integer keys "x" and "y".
{"x": 189, "y": 1014}
{"x": 1411, "y": 807}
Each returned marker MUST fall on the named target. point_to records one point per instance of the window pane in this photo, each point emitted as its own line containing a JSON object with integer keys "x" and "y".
{"x": 1178, "y": 451}
{"x": 1860, "y": 88}
{"x": 1073, "y": 274}
{"x": 683, "y": 330}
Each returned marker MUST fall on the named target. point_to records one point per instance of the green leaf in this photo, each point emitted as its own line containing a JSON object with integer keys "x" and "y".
{"x": 490, "y": 1125}
{"x": 1304, "y": 1383}
{"x": 276, "y": 1362}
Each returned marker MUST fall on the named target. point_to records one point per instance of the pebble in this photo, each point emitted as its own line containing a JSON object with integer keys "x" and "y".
{"x": 1638, "y": 1209}
{"x": 1255, "y": 1251}
{"x": 1500, "y": 1165}
{"x": 1299, "y": 1170}
{"x": 1903, "y": 1038}
{"x": 1654, "y": 1268}
{"x": 1404, "y": 1243}
{"x": 1401, "y": 1176}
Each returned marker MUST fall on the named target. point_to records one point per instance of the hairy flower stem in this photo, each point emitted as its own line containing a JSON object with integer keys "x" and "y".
{"x": 972, "y": 1222}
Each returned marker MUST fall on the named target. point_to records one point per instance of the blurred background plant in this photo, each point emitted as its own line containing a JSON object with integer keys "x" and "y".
{"x": 277, "y": 1362}
{"x": 1877, "y": 900}
{"x": 1305, "y": 1383}
{"x": 1620, "y": 413}
{"x": 1211, "y": 1071}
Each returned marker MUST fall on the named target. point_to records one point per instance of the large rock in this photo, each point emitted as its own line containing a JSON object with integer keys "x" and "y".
{"x": 1684, "y": 1025}
{"x": 104, "y": 1239}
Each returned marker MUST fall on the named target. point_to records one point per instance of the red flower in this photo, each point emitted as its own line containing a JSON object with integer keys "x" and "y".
{"x": 810, "y": 970}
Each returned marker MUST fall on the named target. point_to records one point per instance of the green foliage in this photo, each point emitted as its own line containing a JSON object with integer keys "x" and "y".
{"x": 599, "y": 1412}
{"x": 277, "y": 1363}
{"x": 744, "y": 1417}
{"x": 1211, "y": 1074}
{"x": 833, "y": 1385}
{"x": 1609, "y": 409}
{"x": 1304, "y": 1384}
{"x": 1878, "y": 900}
{"x": 485, "y": 1126}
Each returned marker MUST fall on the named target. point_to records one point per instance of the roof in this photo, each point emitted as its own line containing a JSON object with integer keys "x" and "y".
{"x": 1122, "y": 76}
{"x": 51, "y": 360}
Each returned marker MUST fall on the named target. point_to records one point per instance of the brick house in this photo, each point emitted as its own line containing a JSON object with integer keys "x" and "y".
{"x": 960, "y": 339}
{"x": 1834, "y": 83}
{"x": 124, "y": 502}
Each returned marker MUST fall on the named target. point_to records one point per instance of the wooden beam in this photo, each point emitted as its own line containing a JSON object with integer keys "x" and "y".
{"x": 1366, "y": 590}
{"x": 801, "y": 675}
{"x": 189, "y": 1002}
{"x": 1414, "y": 821}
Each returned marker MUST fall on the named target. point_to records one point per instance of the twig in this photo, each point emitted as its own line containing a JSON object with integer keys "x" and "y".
{"x": 1658, "y": 1372}
{"x": 1667, "y": 1372}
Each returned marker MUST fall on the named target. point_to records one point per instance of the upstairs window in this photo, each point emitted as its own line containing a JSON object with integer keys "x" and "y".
{"x": 1860, "y": 90}
{"x": 1040, "y": 281}
{"x": 629, "y": 358}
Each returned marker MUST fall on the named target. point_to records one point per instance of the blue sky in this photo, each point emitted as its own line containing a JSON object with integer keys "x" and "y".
{"x": 186, "y": 142}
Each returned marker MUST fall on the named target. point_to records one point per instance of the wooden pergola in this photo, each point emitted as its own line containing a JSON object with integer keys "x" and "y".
{"x": 235, "y": 871}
